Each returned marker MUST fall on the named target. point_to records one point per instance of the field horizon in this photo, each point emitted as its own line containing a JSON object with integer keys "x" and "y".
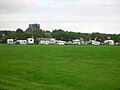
{"x": 54, "y": 67}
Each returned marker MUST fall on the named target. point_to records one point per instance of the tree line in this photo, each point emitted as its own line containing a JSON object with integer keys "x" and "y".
{"x": 59, "y": 34}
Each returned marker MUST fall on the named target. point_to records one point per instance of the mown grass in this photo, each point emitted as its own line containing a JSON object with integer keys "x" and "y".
{"x": 34, "y": 67}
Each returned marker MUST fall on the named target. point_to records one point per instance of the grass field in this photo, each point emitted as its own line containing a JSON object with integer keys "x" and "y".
{"x": 34, "y": 67}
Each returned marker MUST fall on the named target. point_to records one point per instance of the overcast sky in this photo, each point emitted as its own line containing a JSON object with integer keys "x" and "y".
{"x": 70, "y": 15}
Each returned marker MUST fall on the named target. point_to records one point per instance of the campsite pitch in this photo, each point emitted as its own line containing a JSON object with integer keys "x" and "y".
{"x": 37, "y": 67}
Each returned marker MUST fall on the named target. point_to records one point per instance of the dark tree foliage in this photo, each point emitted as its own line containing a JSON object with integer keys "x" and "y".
{"x": 4, "y": 35}
{"x": 62, "y": 35}
{"x": 47, "y": 34}
{"x": 20, "y": 31}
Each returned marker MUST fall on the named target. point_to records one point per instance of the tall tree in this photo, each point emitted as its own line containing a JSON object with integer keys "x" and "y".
{"x": 19, "y": 31}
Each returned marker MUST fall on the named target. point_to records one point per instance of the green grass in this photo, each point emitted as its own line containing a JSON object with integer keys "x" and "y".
{"x": 34, "y": 67}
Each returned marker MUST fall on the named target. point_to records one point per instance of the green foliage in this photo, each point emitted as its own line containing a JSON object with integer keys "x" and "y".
{"x": 57, "y": 34}
{"x": 20, "y": 31}
{"x": 62, "y": 35}
{"x": 34, "y": 67}
{"x": 36, "y": 41}
{"x": 48, "y": 34}
{"x": 7, "y": 34}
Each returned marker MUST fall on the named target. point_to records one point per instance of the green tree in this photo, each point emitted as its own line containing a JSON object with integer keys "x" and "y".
{"x": 20, "y": 31}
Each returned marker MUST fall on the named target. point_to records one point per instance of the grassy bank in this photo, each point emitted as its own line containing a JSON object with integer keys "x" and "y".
{"x": 34, "y": 67}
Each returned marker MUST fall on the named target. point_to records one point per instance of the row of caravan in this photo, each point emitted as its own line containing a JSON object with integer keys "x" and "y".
{"x": 28, "y": 41}
{"x": 52, "y": 41}
{"x": 43, "y": 41}
{"x": 106, "y": 42}
{"x": 46, "y": 41}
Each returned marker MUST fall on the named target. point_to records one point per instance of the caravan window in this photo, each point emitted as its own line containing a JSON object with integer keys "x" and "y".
{"x": 10, "y": 41}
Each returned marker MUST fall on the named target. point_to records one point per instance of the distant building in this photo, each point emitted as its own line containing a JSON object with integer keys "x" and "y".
{"x": 109, "y": 42}
{"x": 76, "y": 41}
{"x": 53, "y": 41}
{"x": 59, "y": 42}
{"x": 30, "y": 40}
{"x": 82, "y": 41}
{"x": 34, "y": 27}
{"x": 47, "y": 41}
{"x": 44, "y": 41}
{"x": 94, "y": 42}
{"x": 10, "y": 41}
{"x": 117, "y": 43}
{"x": 69, "y": 43}
{"x": 21, "y": 41}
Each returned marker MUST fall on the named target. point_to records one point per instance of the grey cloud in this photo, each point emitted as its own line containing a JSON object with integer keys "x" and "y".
{"x": 85, "y": 15}
{"x": 10, "y": 6}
